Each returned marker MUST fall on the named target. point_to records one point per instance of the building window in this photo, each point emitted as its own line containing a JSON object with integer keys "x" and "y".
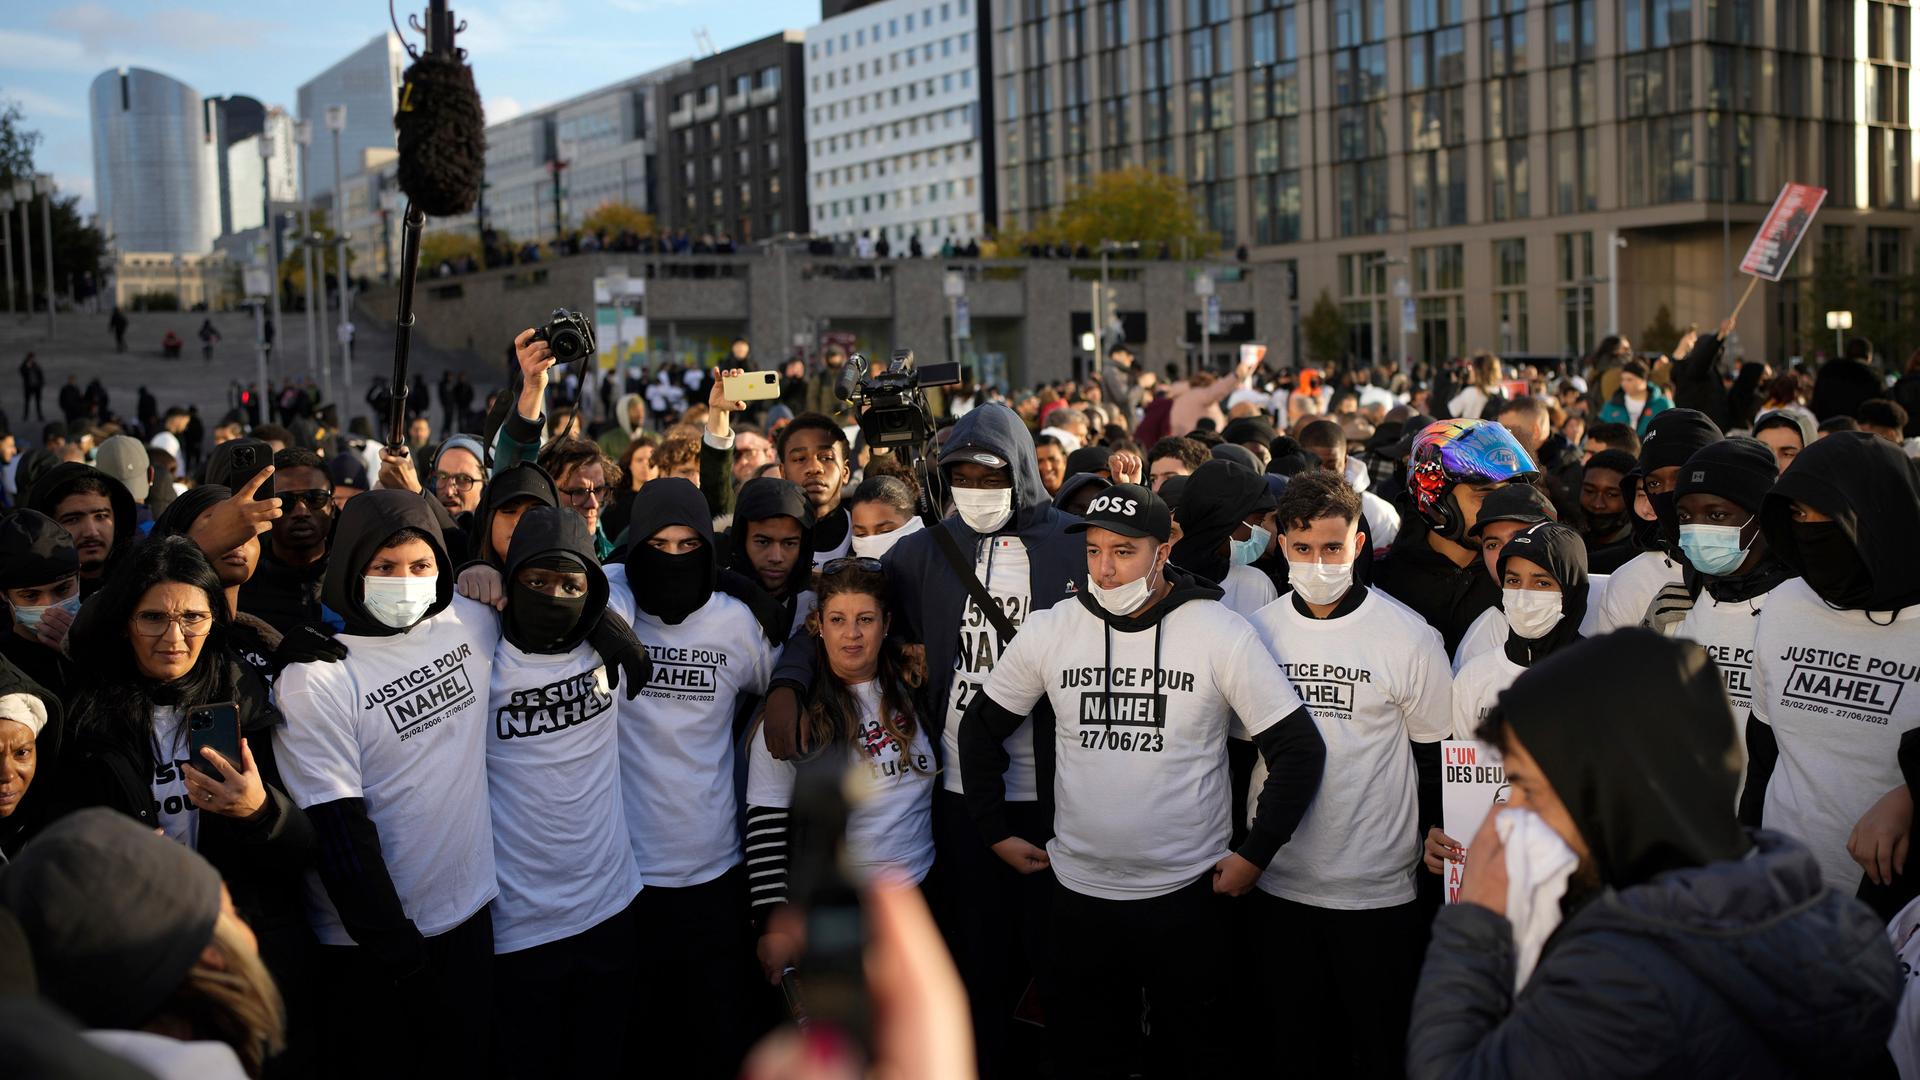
{"x": 1510, "y": 295}
{"x": 1575, "y": 266}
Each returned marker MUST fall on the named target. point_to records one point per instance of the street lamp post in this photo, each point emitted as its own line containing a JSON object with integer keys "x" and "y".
{"x": 6, "y": 242}
{"x": 303, "y": 137}
{"x": 336, "y": 123}
{"x": 43, "y": 185}
{"x": 272, "y": 225}
{"x": 23, "y": 197}
{"x": 1839, "y": 322}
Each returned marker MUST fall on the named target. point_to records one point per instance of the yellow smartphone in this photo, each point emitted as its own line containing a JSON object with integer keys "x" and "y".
{"x": 751, "y": 386}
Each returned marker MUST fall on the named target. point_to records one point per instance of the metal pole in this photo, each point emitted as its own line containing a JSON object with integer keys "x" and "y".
{"x": 46, "y": 232}
{"x": 1613, "y": 281}
{"x": 786, "y": 316}
{"x": 314, "y": 359}
{"x": 953, "y": 335}
{"x": 346, "y": 306}
{"x": 273, "y": 250}
{"x": 26, "y": 245}
{"x": 6, "y": 248}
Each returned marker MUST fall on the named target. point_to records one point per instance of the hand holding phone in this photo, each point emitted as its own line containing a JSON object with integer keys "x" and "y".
{"x": 751, "y": 386}
{"x": 222, "y": 778}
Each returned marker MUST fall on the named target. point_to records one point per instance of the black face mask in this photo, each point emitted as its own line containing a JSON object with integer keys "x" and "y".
{"x": 539, "y": 622}
{"x": 1604, "y": 524}
{"x": 1832, "y": 564}
{"x": 1666, "y": 516}
{"x": 670, "y": 587}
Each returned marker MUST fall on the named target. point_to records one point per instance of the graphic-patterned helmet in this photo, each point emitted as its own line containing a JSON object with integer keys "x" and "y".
{"x": 1447, "y": 453}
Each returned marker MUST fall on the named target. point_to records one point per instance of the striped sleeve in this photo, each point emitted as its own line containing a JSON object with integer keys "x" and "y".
{"x": 766, "y": 845}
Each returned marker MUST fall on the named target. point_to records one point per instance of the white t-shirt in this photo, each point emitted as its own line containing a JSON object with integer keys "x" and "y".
{"x": 1383, "y": 521}
{"x": 560, "y": 845}
{"x": 1002, "y": 566}
{"x": 179, "y": 815}
{"x": 1727, "y": 631}
{"x": 1141, "y": 802}
{"x": 1476, "y": 687}
{"x": 892, "y": 823}
{"x": 801, "y": 609}
{"x": 1373, "y": 679}
{"x": 402, "y": 723}
{"x": 1490, "y": 629}
{"x": 1635, "y": 406}
{"x": 1247, "y": 590}
{"x": 1469, "y": 403}
{"x": 1632, "y": 588}
{"x": 676, "y": 738}
{"x": 1838, "y": 688}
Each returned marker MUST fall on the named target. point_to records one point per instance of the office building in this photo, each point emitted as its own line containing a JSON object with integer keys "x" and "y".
{"x": 156, "y": 172}
{"x": 367, "y": 83}
{"x": 1458, "y": 174}
{"x": 232, "y": 119}
{"x": 607, "y": 140}
{"x": 732, "y": 159}
{"x": 242, "y": 200}
{"x": 893, "y": 128}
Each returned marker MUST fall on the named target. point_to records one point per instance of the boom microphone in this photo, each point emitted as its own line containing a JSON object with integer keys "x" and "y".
{"x": 442, "y": 134}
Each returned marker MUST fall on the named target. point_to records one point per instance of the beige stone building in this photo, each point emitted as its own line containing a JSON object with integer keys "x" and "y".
{"x": 1519, "y": 175}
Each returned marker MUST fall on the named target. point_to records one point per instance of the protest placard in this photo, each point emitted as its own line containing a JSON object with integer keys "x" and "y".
{"x": 1472, "y": 780}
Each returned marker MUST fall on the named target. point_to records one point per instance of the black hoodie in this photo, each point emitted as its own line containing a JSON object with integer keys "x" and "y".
{"x": 670, "y": 587}
{"x": 1218, "y": 497}
{"x": 1559, "y": 551}
{"x": 524, "y": 481}
{"x": 770, "y": 497}
{"x": 365, "y": 526}
{"x": 58, "y": 483}
{"x": 1869, "y": 489}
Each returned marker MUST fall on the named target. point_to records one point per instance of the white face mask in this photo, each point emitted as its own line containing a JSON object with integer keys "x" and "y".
{"x": 1123, "y": 599}
{"x": 1533, "y": 613}
{"x": 399, "y": 602}
{"x": 30, "y": 617}
{"x": 872, "y": 547}
{"x": 1539, "y": 866}
{"x": 984, "y": 510}
{"x": 1320, "y": 583}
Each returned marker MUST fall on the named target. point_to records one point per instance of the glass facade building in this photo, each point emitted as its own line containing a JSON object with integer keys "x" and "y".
{"x": 156, "y": 163}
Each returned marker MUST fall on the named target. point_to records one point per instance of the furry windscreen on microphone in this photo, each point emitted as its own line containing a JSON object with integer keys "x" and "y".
{"x": 442, "y": 136}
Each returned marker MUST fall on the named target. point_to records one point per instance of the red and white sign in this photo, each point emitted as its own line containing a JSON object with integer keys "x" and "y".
{"x": 1472, "y": 781}
{"x": 1781, "y": 232}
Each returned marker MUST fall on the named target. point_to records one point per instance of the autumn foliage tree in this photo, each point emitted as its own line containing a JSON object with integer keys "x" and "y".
{"x": 1129, "y": 206}
{"x": 612, "y": 218}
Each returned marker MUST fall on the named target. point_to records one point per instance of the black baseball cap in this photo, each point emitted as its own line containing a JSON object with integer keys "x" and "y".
{"x": 1130, "y": 510}
{"x": 1515, "y": 502}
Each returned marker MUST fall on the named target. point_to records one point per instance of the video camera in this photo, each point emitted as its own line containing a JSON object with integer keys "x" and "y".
{"x": 893, "y": 411}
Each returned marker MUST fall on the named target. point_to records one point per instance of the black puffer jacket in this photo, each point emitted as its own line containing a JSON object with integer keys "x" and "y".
{"x": 1746, "y": 967}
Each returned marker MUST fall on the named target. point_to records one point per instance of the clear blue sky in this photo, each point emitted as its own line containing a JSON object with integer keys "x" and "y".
{"x": 525, "y": 53}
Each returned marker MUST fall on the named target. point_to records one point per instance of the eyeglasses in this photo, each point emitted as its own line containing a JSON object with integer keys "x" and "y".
{"x": 313, "y": 498}
{"x": 458, "y": 481}
{"x": 155, "y": 624}
{"x": 588, "y": 494}
{"x": 851, "y": 562}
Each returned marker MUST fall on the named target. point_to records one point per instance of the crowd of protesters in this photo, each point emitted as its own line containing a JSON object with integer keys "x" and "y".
{"x": 500, "y": 753}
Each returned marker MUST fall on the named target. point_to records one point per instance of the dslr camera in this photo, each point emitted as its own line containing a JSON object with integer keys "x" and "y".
{"x": 893, "y": 411}
{"x": 569, "y": 334}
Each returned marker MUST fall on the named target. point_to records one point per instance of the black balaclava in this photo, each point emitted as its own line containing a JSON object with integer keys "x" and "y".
{"x": 1642, "y": 754}
{"x": 670, "y": 587}
{"x": 1559, "y": 551}
{"x": 1616, "y": 461}
{"x": 551, "y": 538}
{"x": 1862, "y": 559}
{"x": 1217, "y": 498}
{"x": 1672, "y": 438}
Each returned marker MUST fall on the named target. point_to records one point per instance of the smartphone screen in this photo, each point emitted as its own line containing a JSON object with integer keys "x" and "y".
{"x": 218, "y": 726}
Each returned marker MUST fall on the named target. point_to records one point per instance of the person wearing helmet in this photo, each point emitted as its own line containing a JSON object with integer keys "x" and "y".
{"x": 1434, "y": 567}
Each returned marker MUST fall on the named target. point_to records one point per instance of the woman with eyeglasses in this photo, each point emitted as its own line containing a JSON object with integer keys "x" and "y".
{"x": 157, "y": 645}
{"x": 866, "y": 709}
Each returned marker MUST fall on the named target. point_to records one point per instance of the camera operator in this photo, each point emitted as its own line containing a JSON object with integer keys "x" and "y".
{"x": 1023, "y": 560}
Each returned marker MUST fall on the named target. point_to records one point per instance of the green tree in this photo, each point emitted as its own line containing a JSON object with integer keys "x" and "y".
{"x": 1842, "y": 283}
{"x": 1661, "y": 333}
{"x": 293, "y": 263}
{"x": 1325, "y": 331}
{"x": 79, "y": 249}
{"x": 1129, "y": 206}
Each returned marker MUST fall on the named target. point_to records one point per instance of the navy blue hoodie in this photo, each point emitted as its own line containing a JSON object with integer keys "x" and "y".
{"x": 930, "y": 601}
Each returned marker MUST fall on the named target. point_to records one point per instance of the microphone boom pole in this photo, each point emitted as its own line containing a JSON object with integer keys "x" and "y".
{"x": 403, "y": 326}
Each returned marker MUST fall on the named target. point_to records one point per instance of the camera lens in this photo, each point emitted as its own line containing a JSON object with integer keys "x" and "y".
{"x": 567, "y": 345}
